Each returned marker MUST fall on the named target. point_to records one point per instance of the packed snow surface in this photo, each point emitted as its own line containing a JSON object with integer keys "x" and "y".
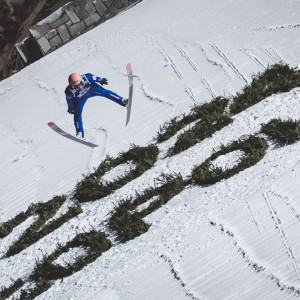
{"x": 236, "y": 239}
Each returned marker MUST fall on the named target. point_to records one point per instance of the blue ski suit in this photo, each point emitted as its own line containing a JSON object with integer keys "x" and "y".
{"x": 89, "y": 87}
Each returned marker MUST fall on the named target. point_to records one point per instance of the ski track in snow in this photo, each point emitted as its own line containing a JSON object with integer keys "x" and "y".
{"x": 283, "y": 234}
{"x": 187, "y": 57}
{"x": 217, "y": 69}
{"x": 253, "y": 218}
{"x": 178, "y": 278}
{"x": 192, "y": 64}
{"x": 171, "y": 61}
{"x": 273, "y": 55}
{"x": 263, "y": 57}
{"x": 287, "y": 202}
{"x": 252, "y": 56}
{"x": 205, "y": 82}
{"x": 229, "y": 63}
{"x": 53, "y": 91}
{"x": 278, "y": 27}
{"x": 151, "y": 97}
{"x": 192, "y": 88}
{"x": 280, "y": 284}
{"x": 9, "y": 86}
{"x": 196, "y": 69}
{"x": 215, "y": 63}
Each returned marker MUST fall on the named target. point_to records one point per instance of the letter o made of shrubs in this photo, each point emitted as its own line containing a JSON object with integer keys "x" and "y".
{"x": 254, "y": 149}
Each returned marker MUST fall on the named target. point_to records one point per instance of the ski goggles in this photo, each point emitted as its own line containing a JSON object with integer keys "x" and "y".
{"x": 78, "y": 86}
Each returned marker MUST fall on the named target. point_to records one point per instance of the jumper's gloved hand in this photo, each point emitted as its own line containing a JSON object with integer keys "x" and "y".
{"x": 104, "y": 81}
{"x": 71, "y": 111}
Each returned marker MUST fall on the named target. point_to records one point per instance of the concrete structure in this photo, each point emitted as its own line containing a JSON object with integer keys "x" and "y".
{"x": 68, "y": 22}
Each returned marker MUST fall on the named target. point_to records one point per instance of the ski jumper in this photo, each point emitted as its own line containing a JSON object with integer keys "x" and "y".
{"x": 77, "y": 96}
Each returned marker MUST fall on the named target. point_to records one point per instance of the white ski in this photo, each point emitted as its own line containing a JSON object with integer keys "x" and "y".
{"x": 130, "y": 80}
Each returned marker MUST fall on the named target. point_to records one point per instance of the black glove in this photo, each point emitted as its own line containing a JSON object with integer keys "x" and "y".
{"x": 104, "y": 81}
{"x": 71, "y": 111}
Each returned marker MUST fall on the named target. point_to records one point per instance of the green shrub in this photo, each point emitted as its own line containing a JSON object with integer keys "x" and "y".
{"x": 282, "y": 132}
{"x": 40, "y": 287}
{"x": 170, "y": 128}
{"x": 38, "y": 229}
{"x": 47, "y": 271}
{"x": 214, "y": 109}
{"x": 203, "y": 129}
{"x": 128, "y": 223}
{"x": 7, "y": 227}
{"x": 278, "y": 78}
{"x": 7, "y": 292}
{"x": 92, "y": 188}
{"x": 94, "y": 242}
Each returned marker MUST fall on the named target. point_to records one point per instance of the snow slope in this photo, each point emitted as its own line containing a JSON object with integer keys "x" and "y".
{"x": 206, "y": 243}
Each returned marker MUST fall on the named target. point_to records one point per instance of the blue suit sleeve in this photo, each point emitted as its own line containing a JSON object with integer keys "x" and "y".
{"x": 70, "y": 99}
{"x": 93, "y": 78}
